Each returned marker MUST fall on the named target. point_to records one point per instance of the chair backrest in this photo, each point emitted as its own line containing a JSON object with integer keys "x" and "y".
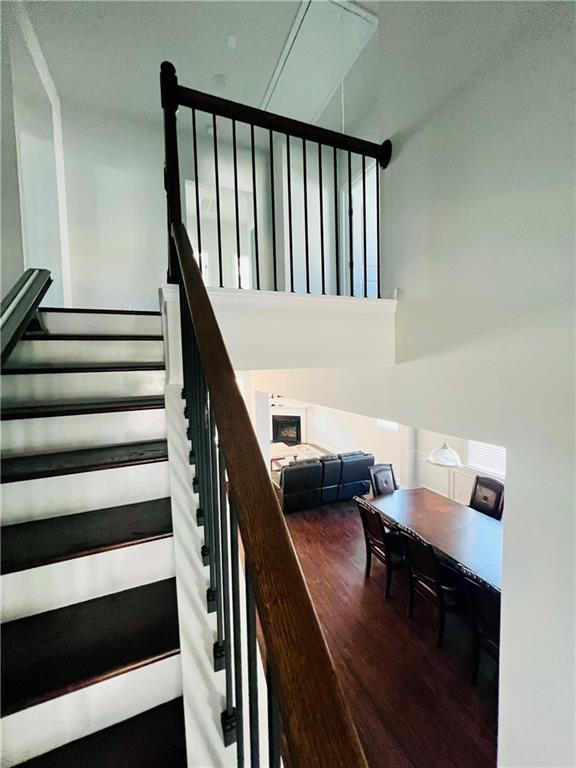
{"x": 484, "y": 606}
{"x": 382, "y": 479}
{"x": 488, "y": 496}
{"x": 373, "y": 525}
{"x": 420, "y": 557}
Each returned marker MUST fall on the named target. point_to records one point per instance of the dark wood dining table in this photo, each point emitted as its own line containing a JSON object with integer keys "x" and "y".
{"x": 458, "y": 533}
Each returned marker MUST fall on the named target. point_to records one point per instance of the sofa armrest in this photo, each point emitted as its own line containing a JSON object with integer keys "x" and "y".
{"x": 277, "y": 491}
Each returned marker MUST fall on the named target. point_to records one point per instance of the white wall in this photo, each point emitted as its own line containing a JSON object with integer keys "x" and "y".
{"x": 264, "y": 329}
{"x": 117, "y": 209}
{"x": 478, "y": 227}
{"x": 12, "y": 262}
{"x": 33, "y": 195}
{"x": 343, "y": 431}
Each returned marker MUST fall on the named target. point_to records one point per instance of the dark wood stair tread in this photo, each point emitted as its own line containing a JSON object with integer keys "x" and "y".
{"x": 83, "y": 368}
{"x": 42, "y": 542}
{"x": 61, "y": 651}
{"x": 81, "y": 407}
{"x": 88, "y": 311}
{"x": 35, "y": 466}
{"x": 153, "y": 739}
{"x": 47, "y": 336}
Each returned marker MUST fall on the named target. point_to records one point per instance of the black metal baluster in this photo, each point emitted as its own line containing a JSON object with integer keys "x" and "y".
{"x": 188, "y": 341}
{"x": 228, "y": 717}
{"x": 195, "y": 434}
{"x": 273, "y": 200}
{"x": 193, "y": 413}
{"x": 336, "y": 223}
{"x": 321, "y": 193}
{"x": 218, "y": 222}
{"x": 218, "y": 648}
{"x": 274, "y": 723}
{"x": 236, "y": 206}
{"x": 255, "y": 206}
{"x": 290, "y": 241}
{"x": 186, "y": 375}
{"x": 364, "y": 225}
{"x": 350, "y": 229}
{"x": 238, "y": 693}
{"x": 202, "y": 489}
{"x": 205, "y": 493}
{"x": 198, "y": 226}
{"x": 203, "y": 475}
{"x": 377, "y": 175}
{"x": 212, "y": 591}
{"x": 252, "y": 673}
{"x": 306, "y": 246}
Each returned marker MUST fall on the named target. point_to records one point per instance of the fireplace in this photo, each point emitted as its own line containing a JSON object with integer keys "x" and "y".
{"x": 286, "y": 429}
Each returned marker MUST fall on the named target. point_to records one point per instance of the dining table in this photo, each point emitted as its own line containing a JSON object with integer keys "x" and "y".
{"x": 459, "y": 534}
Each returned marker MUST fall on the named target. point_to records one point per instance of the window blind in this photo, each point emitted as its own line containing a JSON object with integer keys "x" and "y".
{"x": 393, "y": 425}
{"x": 487, "y": 457}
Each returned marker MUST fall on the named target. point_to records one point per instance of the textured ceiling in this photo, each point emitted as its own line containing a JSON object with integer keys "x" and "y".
{"x": 107, "y": 55}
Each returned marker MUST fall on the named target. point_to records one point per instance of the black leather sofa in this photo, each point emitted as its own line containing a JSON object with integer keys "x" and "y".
{"x": 331, "y": 474}
{"x": 355, "y": 478}
{"x": 309, "y": 483}
{"x": 301, "y": 483}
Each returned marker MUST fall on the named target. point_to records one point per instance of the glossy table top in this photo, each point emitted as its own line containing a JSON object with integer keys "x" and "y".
{"x": 462, "y": 534}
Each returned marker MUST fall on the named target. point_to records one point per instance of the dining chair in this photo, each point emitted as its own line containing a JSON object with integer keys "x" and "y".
{"x": 488, "y": 496}
{"x": 483, "y": 606}
{"x": 382, "y": 479}
{"x": 430, "y": 579}
{"x": 381, "y": 541}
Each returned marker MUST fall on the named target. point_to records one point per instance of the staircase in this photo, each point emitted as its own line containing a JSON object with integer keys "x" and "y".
{"x": 91, "y": 670}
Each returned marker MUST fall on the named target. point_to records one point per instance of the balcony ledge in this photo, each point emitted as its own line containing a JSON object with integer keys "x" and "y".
{"x": 274, "y": 329}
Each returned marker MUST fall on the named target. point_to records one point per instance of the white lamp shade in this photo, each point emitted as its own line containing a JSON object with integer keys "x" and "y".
{"x": 444, "y": 456}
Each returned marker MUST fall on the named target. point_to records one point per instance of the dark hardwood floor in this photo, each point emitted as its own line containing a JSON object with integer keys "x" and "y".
{"x": 413, "y": 704}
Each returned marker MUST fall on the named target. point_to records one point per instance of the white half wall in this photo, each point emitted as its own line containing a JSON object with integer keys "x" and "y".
{"x": 264, "y": 329}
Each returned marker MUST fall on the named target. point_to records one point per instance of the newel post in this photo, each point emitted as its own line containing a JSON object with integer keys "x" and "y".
{"x": 385, "y": 153}
{"x": 169, "y": 100}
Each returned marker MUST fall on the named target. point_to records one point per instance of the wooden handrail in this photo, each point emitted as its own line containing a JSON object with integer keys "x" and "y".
{"x": 19, "y": 306}
{"x": 317, "y": 724}
{"x": 233, "y": 110}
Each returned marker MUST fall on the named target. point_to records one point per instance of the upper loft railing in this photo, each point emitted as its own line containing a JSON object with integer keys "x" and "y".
{"x": 19, "y": 307}
{"x": 308, "y": 722}
{"x": 274, "y": 203}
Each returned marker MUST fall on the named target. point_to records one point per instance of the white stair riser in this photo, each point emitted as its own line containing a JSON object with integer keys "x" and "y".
{"x": 61, "y": 352}
{"x": 36, "y": 730}
{"x": 67, "y": 433}
{"x": 68, "y": 494}
{"x": 84, "y": 323}
{"x": 53, "y": 586}
{"x": 23, "y": 389}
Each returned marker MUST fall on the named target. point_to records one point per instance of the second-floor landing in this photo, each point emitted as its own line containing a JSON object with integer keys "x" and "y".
{"x": 277, "y": 330}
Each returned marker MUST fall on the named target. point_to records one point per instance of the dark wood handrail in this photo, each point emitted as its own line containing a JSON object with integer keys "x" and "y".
{"x": 19, "y": 306}
{"x": 317, "y": 724}
{"x": 215, "y": 105}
